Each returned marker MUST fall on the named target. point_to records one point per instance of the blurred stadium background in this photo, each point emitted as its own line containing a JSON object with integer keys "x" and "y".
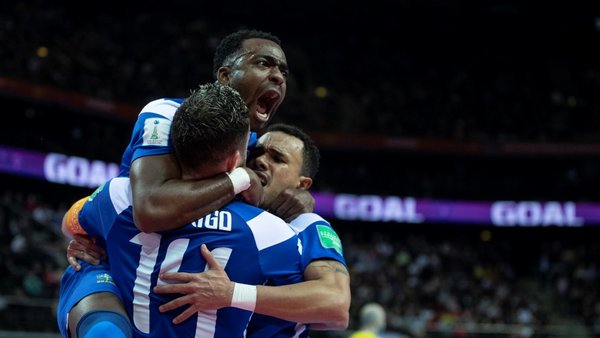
{"x": 460, "y": 145}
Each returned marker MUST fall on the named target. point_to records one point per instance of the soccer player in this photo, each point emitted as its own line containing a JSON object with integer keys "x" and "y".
{"x": 210, "y": 135}
{"x": 253, "y": 63}
{"x": 284, "y": 157}
{"x": 240, "y": 70}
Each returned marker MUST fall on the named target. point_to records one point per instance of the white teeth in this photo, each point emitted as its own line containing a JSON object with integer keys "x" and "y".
{"x": 263, "y": 115}
{"x": 261, "y": 111}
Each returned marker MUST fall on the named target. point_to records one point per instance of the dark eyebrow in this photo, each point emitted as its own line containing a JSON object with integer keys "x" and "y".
{"x": 281, "y": 65}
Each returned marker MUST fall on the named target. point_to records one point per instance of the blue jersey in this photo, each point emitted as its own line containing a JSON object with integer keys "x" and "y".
{"x": 152, "y": 133}
{"x": 150, "y": 136}
{"x": 254, "y": 246}
{"x": 318, "y": 241}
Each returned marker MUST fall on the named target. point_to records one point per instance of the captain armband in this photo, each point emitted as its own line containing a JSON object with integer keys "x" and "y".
{"x": 72, "y": 218}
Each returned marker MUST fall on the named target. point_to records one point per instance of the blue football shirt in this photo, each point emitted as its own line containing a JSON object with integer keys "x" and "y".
{"x": 318, "y": 241}
{"x": 152, "y": 132}
{"x": 254, "y": 246}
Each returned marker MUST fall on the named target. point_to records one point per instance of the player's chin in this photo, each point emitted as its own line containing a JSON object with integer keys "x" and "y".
{"x": 258, "y": 124}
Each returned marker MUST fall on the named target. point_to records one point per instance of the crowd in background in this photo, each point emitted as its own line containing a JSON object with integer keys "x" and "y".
{"x": 415, "y": 72}
{"x": 430, "y": 280}
{"x": 450, "y": 282}
{"x": 32, "y": 259}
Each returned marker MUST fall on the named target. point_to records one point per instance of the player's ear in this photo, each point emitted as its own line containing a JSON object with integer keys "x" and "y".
{"x": 234, "y": 160}
{"x": 223, "y": 75}
{"x": 304, "y": 183}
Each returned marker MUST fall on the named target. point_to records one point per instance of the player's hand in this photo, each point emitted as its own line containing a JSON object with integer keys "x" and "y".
{"x": 291, "y": 203}
{"x": 254, "y": 194}
{"x": 208, "y": 290}
{"x": 83, "y": 247}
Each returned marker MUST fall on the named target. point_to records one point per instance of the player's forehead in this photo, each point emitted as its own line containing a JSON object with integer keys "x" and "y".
{"x": 255, "y": 47}
{"x": 281, "y": 142}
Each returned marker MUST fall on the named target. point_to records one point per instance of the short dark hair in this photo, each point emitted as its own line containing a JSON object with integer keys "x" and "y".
{"x": 233, "y": 43}
{"x": 310, "y": 156}
{"x": 208, "y": 125}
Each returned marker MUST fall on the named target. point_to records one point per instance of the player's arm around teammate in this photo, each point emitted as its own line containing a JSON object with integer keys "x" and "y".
{"x": 284, "y": 157}
{"x": 322, "y": 300}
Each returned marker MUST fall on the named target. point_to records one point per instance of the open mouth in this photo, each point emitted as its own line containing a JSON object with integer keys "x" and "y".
{"x": 266, "y": 102}
{"x": 263, "y": 177}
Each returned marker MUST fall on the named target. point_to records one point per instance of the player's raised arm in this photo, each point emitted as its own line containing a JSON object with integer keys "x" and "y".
{"x": 163, "y": 201}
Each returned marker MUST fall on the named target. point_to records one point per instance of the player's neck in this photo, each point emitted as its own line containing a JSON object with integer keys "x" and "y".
{"x": 204, "y": 172}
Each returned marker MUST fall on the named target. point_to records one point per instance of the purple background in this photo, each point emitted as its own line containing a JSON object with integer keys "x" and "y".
{"x": 31, "y": 163}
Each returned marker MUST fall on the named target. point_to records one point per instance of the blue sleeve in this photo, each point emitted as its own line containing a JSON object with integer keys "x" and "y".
{"x": 151, "y": 136}
{"x": 318, "y": 239}
{"x": 97, "y": 214}
{"x": 151, "y": 133}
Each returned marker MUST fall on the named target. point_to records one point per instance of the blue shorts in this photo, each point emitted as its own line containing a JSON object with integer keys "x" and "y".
{"x": 75, "y": 285}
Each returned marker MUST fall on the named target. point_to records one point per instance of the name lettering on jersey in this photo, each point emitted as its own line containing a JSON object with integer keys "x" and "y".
{"x": 218, "y": 220}
{"x": 329, "y": 239}
{"x": 156, "y": 132}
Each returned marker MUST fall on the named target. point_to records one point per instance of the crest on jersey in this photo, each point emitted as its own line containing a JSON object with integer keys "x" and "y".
{"x": 156, "y": 131}
{"x": 104, "y": 278}
{"x": 329, "y": 239}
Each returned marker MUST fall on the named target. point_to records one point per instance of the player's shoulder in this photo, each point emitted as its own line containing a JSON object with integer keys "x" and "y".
{"x": 305, "y": 220}
{"x": 267, "y": 228}
{"x": 250, "y": 213}
{"x": 118, "y": 190}
{"x": 165, "y": 107}
{"x": 120, "y": 193}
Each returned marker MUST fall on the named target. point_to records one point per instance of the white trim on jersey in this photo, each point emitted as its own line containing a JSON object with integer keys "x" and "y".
{"x": 164, "y": 107}
{"x": 120, "y": 193}
{"x": 299, "y": 329}
{"x": 303, "y": 221}
{"x": 269, "y": 230}
{"x": 172, "y": 261}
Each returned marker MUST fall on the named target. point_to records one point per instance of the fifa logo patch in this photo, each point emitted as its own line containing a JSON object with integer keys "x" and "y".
{"x": 156, "y": 132}
{"x": 104, "y": 278}
{"x": 329, "y": 239}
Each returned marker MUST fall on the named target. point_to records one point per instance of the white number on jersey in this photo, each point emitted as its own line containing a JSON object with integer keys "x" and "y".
{"x": 150, "y": 244}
